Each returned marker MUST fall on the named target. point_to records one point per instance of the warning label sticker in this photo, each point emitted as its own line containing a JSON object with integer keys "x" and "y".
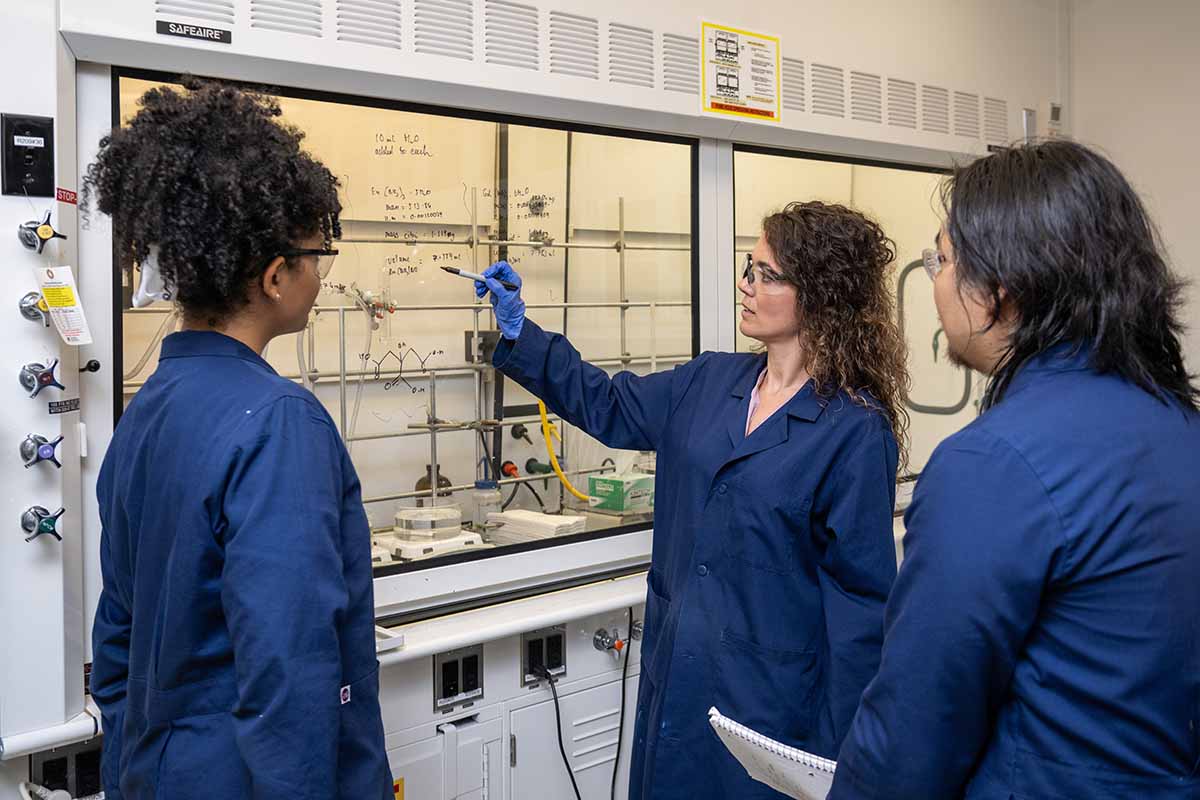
{"x": 740, "y": 72}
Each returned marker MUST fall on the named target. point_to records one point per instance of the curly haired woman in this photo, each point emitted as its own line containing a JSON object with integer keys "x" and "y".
{"x": 234, "y": 645}
{"x": 773, "y": 549}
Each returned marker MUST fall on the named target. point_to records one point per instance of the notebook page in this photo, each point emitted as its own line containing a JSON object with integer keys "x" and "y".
{"x": 794, "y": 772}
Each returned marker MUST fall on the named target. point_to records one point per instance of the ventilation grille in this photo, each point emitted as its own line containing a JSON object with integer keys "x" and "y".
{"x": 210, "y": 10}
{"x": 373, "y": 22}
{"x": 966, "y": 114}
{"x": 902, "y": 103}
{"x": 935, "y": 109}
{"x": 793, "y": 84}
{"x": 574, "y": 45}
{"x": 828, "y": 90}
{"x": 995, "y": 120}
{"x": 866, "y": 97}
{"x": 444, "y": 28}
{"x": 681, "y": 64}
{"x": 510, "y": 34}
{"x": 287, "y": 16}
{"x": 630, "y": 55}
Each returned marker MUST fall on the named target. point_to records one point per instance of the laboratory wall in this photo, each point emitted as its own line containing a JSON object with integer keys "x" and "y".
{"x": 914, "y": 81}
{"x": 1133, "y": 95}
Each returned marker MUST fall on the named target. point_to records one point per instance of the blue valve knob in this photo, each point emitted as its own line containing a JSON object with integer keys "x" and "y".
{"x": 35, "y": 377}
{"x": 37, "y": 521}
{"x": 36, "y": 449}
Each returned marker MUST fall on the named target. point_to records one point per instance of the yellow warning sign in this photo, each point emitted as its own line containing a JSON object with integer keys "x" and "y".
{"x": 59, "y": 296}
{"x": 398, "y": 789}
{"x": 739, "y": 73}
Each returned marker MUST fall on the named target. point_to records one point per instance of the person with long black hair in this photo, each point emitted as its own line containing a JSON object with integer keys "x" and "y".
{"x": 1043, "y": 636}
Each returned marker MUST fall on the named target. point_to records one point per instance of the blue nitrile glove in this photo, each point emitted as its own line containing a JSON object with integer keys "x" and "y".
{"x": 507, "y": 304}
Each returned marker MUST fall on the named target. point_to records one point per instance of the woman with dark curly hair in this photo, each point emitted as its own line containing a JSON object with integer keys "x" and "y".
{"x": 234, "y": 645}
{"x": 773, "y": 549}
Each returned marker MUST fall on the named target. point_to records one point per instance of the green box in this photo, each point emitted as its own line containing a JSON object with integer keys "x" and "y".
{"x": 621, "y": 494}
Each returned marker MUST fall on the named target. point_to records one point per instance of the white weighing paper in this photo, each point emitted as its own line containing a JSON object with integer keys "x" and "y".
{"x": 794, "y": 772}
{"x": 57, "y": 285}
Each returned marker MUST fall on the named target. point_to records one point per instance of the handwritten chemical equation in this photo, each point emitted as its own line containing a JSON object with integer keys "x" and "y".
{"x": 401, "y": 144}
{"x": 399, "y": 355}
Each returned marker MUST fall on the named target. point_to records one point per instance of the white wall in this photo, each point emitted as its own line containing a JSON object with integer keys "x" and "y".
{"x": 1133, "y": 94}
{"x": 1007, "y": 51}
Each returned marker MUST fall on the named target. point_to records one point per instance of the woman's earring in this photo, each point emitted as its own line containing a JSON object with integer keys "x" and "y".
{"x": 278, "y": 297}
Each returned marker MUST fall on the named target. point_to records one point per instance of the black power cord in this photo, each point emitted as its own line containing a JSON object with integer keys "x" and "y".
{"x": 612, "y": 793}
{"x": 536, "y": 496}
{"x": 541, "y": 671}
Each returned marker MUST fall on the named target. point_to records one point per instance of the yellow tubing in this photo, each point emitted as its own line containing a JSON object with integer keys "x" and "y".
{"x": 547, "y": 431}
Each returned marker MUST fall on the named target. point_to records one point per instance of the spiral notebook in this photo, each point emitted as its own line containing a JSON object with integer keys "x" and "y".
{"x": 794, "y": 772}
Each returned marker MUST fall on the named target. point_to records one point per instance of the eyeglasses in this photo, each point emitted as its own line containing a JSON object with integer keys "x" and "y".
{"x": 761, "y": 278}
{"x": 933, "y": 261}
{"x": 324, "y": 258}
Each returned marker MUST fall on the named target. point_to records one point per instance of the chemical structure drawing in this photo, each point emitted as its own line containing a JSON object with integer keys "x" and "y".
{"x": 399, "y": 355}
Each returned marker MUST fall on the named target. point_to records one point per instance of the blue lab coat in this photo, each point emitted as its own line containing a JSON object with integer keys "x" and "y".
{"x": 237, "y": 599}
{"x": 1043, "y": 638}
{"x": 773, "y": 555}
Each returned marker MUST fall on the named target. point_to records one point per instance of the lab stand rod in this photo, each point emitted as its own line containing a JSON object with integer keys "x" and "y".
{"x": 454, "y": 370}
{"x": 433, "y": 461}
{"x": 467, "y": 487}
{"x": 653, "y": 339}
{"x": 669, "y": 248}
{"x": 543, "y": 245}
{"x": 404, "y": 242}
{"x": 621, "y": 266}
{"x": 311, "y": 333}
{"x": 476, "y": 307}
{"x": 478, "y": 377}
{"x": 342, "y": 367}
{"x": 466, "y": 426}
{"x": 537, "y": 245}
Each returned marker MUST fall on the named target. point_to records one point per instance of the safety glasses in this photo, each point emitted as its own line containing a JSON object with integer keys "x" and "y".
{"x": 933, "y": 261}
{"x": 762, "y": 278}
{"x": 324, "y": 258}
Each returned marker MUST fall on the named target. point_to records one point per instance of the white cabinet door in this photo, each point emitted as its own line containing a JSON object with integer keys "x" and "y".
{"x": 465, "y": 761}
{"x": 417, "y": 769}
{"x": 589, "y": 727}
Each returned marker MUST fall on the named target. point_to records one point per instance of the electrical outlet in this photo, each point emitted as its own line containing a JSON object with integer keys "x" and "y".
{"x": 544, "y": 648}
{"x": 457, "y": 679}
{"x": 74, "y": 769}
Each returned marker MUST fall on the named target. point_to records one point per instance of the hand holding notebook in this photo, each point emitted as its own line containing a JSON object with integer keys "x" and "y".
{"x": 794, "y": 772}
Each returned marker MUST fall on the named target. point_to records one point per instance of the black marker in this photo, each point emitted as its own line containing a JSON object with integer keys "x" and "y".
{"x": 462, "y": 273}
